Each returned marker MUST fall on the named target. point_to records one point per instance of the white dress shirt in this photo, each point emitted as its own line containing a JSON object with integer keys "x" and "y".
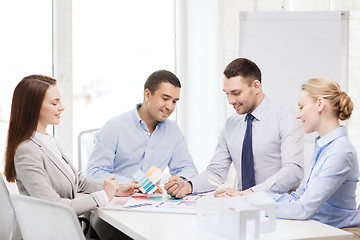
{"x": 277, "y": 148}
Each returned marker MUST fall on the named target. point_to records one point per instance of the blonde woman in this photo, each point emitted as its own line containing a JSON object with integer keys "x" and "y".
{"x": 327, "y": 192}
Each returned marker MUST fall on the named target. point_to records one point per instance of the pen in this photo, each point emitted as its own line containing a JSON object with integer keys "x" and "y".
{"x": 159, "y": 204}
{"x": 213, "y": 181}
{"x": 179, "y": 181}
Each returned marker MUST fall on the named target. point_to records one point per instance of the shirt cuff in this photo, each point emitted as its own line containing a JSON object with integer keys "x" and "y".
{"x": 260, "y": 188}
{"x": 187, "y": 173}
{"x": 101, "y": 198}
{"x": 191, "y": 185}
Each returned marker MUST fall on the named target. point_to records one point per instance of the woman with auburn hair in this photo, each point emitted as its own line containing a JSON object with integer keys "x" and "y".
{"x": 37, "y": 163}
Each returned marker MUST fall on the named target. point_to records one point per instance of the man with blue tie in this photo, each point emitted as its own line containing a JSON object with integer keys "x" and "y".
{"x": 263, "y": 141}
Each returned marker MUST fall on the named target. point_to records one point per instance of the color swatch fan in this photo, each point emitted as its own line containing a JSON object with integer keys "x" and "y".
{"x": 148, "y": 179}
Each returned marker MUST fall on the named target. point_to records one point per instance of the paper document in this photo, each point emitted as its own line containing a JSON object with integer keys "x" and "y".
{"x": 155, "y": 203}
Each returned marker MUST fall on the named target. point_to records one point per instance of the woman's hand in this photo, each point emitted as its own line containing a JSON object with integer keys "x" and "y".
{"x": 128, "y": 189}
{"x": 111, "y": 186}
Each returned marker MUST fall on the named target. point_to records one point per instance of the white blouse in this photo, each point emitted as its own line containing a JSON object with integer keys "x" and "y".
{"x": 50, "y": 143}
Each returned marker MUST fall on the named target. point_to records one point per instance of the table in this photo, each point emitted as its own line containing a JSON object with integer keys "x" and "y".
{"x": 150, "y": 225}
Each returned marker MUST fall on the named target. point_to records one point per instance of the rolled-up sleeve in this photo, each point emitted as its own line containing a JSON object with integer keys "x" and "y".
{"x": 181, "y": 163}
{"x": 101, "y": 162}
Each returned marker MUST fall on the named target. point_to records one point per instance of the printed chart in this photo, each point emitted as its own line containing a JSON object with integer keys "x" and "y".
{"x": 155, "y": 203}
{"x": 148, "y": 179}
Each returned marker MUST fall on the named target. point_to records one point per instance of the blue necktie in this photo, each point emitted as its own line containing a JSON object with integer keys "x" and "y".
{"x": 247, "y": 158}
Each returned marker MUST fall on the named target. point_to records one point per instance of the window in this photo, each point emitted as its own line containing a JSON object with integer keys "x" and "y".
{"x": 116, "y": 46}
{"x": 25, "y": 47}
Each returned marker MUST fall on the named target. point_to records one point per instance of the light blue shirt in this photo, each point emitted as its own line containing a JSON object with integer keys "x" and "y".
{"x": 327, "y": 193}
{"x": 125, "y": 145}
{"x": 277, "y": 140}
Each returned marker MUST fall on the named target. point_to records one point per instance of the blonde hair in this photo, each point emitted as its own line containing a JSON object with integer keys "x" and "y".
{"x": 330, "y": 90}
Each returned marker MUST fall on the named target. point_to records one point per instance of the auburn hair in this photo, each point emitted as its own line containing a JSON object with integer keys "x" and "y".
{"x": 24, "y": 117}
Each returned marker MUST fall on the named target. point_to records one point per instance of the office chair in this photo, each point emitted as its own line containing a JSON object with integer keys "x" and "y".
{"x": 41, "y": 220}
{"x": 85, "y": 146}
{"x": 7, "y": 214}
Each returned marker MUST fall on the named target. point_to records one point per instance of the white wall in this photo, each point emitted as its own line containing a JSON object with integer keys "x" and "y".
{"x": 208, "y": 39}
{"x": 62, "y": 62}
{"x": 200, "y": 109}
{"x": 230, "y": 13}
{"x": 212, "y": 41}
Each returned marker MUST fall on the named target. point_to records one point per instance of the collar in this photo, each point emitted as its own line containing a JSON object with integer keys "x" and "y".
{"x": 55, "y": 159}
{"x": 138, "y": 121}
{"x": 331, "y": 136}
{"x": 136, "y": 115}
{"x": 43, "y": 146}
{"x": 36, "y": 140}
{"x": 260, "y": 111}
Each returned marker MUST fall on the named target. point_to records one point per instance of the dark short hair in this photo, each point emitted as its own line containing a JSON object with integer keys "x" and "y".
{"x": 243, "y": 67}
{"x": 156, "y": 78}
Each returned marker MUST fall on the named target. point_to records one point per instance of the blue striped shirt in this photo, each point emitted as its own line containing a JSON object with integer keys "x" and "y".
{"x": 124, "y": 145}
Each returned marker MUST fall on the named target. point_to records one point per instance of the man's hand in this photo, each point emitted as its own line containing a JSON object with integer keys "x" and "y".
{"x": 159, "y": 189}
{"x": 243, "y": 193}
{"x": 231, "y": 192}
{"x": 178, "y": 190}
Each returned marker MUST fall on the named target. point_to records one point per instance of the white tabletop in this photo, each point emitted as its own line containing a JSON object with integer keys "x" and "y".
{"x": 150, "y": 225}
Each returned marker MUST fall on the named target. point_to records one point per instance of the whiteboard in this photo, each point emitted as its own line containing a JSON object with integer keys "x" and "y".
{"x": 291, "y": 47}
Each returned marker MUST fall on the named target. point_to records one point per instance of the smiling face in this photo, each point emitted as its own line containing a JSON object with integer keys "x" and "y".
{"x": 308, "y": 112}
{"x": 51, "y": 109}
{"x": 243, "y": 97}
{"x": 162, "y": 103}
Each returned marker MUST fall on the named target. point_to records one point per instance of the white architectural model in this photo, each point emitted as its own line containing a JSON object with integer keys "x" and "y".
{"x": 237, "y": 217}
